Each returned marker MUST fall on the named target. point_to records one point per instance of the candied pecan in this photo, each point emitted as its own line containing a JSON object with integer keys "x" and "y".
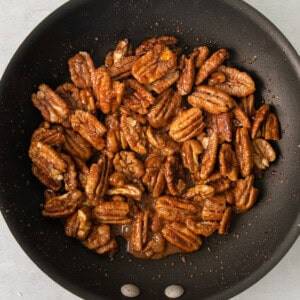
{"x": 190, "y": 152}
{"x": 109, "y": 59}
{"x": 181, "y": 237}
{"x": 176, "y": 209}
{"x": 113, "y": 136}
{"x": 123, "y": 48}
{"x": 237, "y": 83}
{"x": 225, "y": 221}
{"x": 229, "y": 196}
{"x": 211, "y": 64}
{"x": 117, "y": 179}
{"x": 160, "y": 85}
{"x": 137, "y": 97}
{"x": 82, "y": 170}
{"x": 270, "y": 129}
{"x": 156, "y": 63}
{"x": 228, "y": 163}
{"x": 70, "y": 175}
{"x": 166, "y": 107}
{"x": 241, "y": 117}
{"x": 108, "y": 247}
{"x": 247, "y": 105}
{"x": 50, "y": 135}
{"x": 108, "y": 93}
{"x": 63, "y": 205}
{"x": 243, "y": 151}
{"x": 258, "y": 119}
{"x": 175, "y": 175}
{"x": 99, "y": 236}
{"x": 216, "y": 77}
{"x": 220, "y": 185}
{"x": 263, "y": 153}
{"x": 53, "y": 108}
{"x": 89, "y": 127}
{"x": 213, "y": 208}
{"x": 154, "y": 177}
{"x": 79, "y": 224}
{"x": 200, "y": 192}
{"x": 186, "y": 80}
{"x": 112, "y": 212}
{"x": 201, "y": 56}
{"x": 127, "y": 190}
{"x": 77, "y": 146}
{"x": 188, "y": 124}
{"x": 122, "y": 68}
{"x": 245, "y": 194}
{"x": 211, "y": 99}
{"x": 87, "y": 100}
{"x": 156, "y": 245}
{"x": 209, "y": 156}
{"x": 205, "y": 228}
{"x": 81, "y": 68}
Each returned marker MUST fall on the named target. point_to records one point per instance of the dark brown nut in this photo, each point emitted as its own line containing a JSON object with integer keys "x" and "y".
{"x": 76, "y": 145}
{"x": 176, "y": 209}
{"x": 122, "y": 69}
{"x": 162, "y": 84}
{"x": 99, "y": 236}
{"x": 156, "y": 245}
{"x": 89, "y": 127}
{"x": 53, "y": 108}
{"x": 127, "y": 190}
{"x": 211, "y": 65}
{"x": 225, "y": 221}
{"x": 200, "y": 192}
{"x": 188, "y": 124}
{"x": 259, "y": 117}
{"x": 79, "y": 224}
{"x": 186, "y": 80}
{"x": 263, "y": 153}
{"x": 50, "y": 135}
{"x": 205, "y": 228}
{"x": 133, "y": 133}
{"x": 241, "y": 117}
{"x": 228, "y": 164}
{"x": 201, "y": 56}
{"x": 47, "y": 160}
{"x": 181, "y": 237}
{"x": 117, "y": 179}
{"x": 108, "y": 93}
{"x": 270, "y": 129}
{"x": 81, "y": 68}
{"x": 211, "y": 99}
{"x": 63, "y": 205}
{"x": 166, "y": 107}
{"x": 213, "y": 208}
{"x": 97, "y": 179}
{"x": 137, "y": 98}
{"x": 237, "y": 83}
{"x": 110, "y": 246}
{"x": 221, "y": 124}
{"x": 216, "y": 77}
{"x": 245, "y": 194}
{"x": 112, "y": 212}
{"x": 70, "y": 175}
{"x": 190, "y": 152}
{"x": 247, "y": 105}
{"x": 154, "y": 177}
{"x": 156, "y": 63}
{"x": 209, "y": 156}
{"x": 243, "y": 151}
{"x": 175, "y": 175}
{"x": 139, "y": 230}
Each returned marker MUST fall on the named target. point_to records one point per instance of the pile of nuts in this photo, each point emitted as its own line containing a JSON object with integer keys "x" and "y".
{"x": 156, "y": 146}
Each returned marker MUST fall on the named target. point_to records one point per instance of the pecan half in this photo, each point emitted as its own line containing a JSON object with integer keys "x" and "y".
{"x": 241, "y": 117}
{"x": 221, "y": 124}
{"x": 200, "y": 192}
{"x": 160, "y": 85}
{"x": 190, "y": 152}
{"x": 247, "y": 105}
{"x": 220, "y": 185}
{"x": 225, "y": 221}
{"x": 156, "y": 245}
{"x": 127, "y": 190}
{"x": 213, "y": 208}
{"x": 258, "y": 119}
{"x": 205, "y": 228}
{"x": 270, "y": 129}
{"x": 228, "y": 164}
{"x": 123, "y": 48}
{"x": 117, "y": 179}
{"x": 186, "y": 80}
{"x": 110, "y": 246}
{"x": 70, "y": 175}
{"x": 99, "y": 236}
{"x": 122, "y": 68}
{"x": 139, "y": 230}
{"x": 50, "y": 135}
{"x": 263, "y": 153}
{"x": 201, "y": 56}
{"x": 216, "y": 77}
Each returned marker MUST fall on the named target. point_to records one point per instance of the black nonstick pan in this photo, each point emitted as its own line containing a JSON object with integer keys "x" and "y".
{"x": 224, "y": 266}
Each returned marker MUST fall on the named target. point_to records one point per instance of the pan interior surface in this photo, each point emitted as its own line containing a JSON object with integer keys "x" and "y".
{"x": 224, "y": 266}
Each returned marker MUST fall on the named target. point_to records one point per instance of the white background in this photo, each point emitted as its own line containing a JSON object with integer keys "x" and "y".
{"x": 19, "y": 276}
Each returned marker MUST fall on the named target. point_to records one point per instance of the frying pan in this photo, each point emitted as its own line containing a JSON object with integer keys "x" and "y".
{"x": 225, "y": 265}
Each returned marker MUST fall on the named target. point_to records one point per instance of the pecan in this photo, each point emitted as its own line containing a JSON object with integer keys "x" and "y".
{"x": 186, "y": 80}
{"x": 243, "y": 150}
{"x": 205, "y": 228}
{"x": 137, "y": 97}
{"x": 50, "y": 135}
{"x": 176, "y": 209}
{"x": 270, "y": 129}
{"x": 175, "y": 175}
{"x": 127, "y": 190}
{"x": 77, "y": 146}
{"x": 228, "y": 163}
{"x": 154, "y": 177}
{"x": 156, "y": 63}
{"x": 213, "y": 208}
{"x": 160, "y": 85}
{"x": 178, "y": 235}
{"x": 70, "y": 175}
{"x": 241, "y": 117}
{"x": 209, "y": 156}
{"x": 225, "y": 221}
{"x": 156, "y": 245}
{"x": 200, "y": 192}
{"x": 117, "y": 179}
{"x": 263, "y": 153}
{"x": 63, "y": 205}
{"x": 89, "y": 127}
{"x": 108, "y": 247}
{"x": 220, "y": 185}
{"x": 237, "y": 83}
{"x": 108, "y": 93}
{"x": 190, "y": 152}
{"x": 82, "y": 170}
{"x": 113, "y": 136}
{"x": 53, "y": 108}
{"x": 99, "y": 236}
{"x": 216, "y": 77}
{"x": 166, "y": 107}
{"x": 221, "y": 124}
{"x": 245, "y": 194}
{"x": 201, "y": 56}
{"x": 211, "y": 64}
{"x": 123, "y": 48}
{"x": 122, "y": 68}
{"x": 211, "y": 99}
{"x": 259, "y": 117}
{"x": 81, "y": 68}
{"x": 87, "y": 100}
{"x": 188, "y": 124}
{"x": 247, "y": 105}
{"x": 112, "y": 212}
{"x": 79, "y": 224}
